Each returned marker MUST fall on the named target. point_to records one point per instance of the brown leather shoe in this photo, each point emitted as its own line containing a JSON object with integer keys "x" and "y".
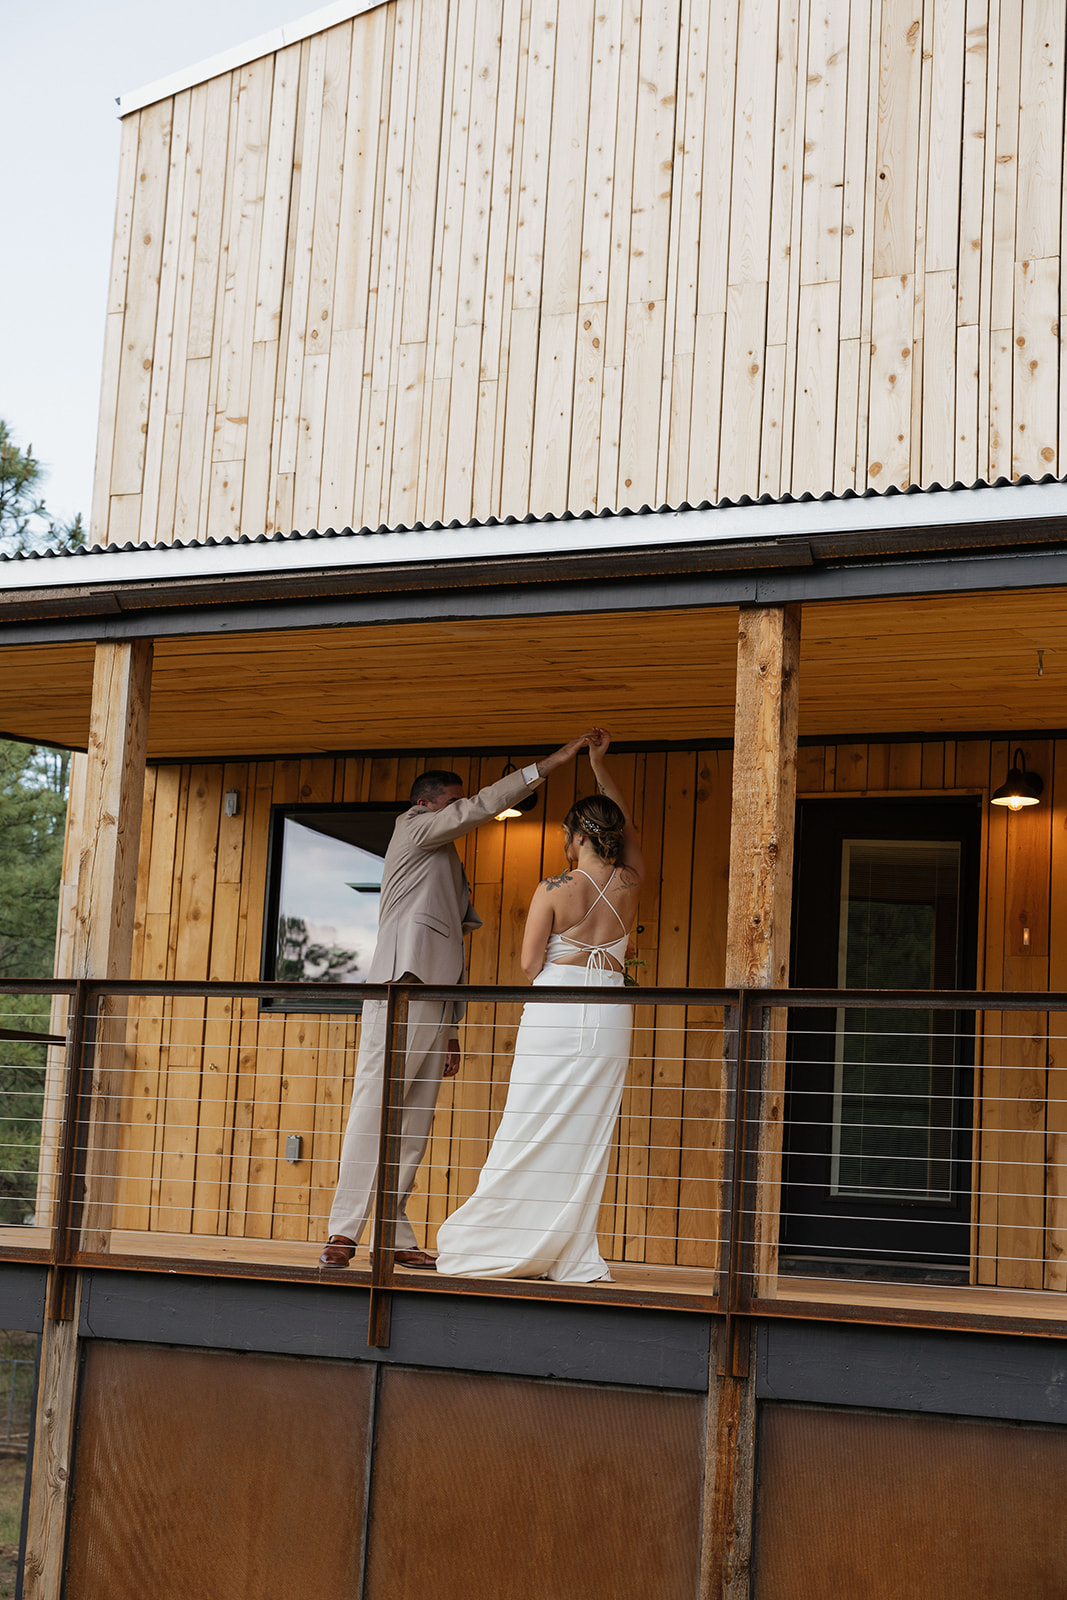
{"x": 338, "y": 1251}
{"x": 415, "y": 1258}
{"x": 418, "y": 1259}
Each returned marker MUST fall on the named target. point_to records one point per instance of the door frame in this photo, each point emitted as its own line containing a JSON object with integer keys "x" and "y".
{"x": 877, "y": 1242}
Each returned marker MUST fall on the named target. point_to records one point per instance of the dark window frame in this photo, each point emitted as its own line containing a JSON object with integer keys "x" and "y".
{"x": 280, "y": 812}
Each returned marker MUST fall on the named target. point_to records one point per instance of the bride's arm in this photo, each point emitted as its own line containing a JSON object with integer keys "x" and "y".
{"x": 604, "y": 781}
{"x": 631, "y": 857}
{"x": 537, "y": 933}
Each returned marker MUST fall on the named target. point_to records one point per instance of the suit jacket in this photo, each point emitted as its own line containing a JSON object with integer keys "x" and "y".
{"x": 425, "y": 907}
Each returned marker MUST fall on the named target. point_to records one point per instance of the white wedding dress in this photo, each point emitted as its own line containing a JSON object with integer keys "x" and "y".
{"x": 534, "y": 1212}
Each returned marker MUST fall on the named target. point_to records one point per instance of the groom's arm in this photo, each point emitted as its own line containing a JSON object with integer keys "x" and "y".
{"x": 433, "y": 828}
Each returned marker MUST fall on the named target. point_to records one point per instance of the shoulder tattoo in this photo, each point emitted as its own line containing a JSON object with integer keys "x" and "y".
{"x": 556, "y": 882}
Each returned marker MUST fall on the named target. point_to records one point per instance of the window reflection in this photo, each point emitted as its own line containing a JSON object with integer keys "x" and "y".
{"x": 326, "y": 876}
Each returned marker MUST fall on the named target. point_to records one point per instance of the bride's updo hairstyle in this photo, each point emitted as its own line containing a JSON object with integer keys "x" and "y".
{"x": 602, "y": 822}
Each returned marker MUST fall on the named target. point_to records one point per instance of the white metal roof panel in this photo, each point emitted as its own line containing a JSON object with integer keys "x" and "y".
{"x": 982, "y": 505}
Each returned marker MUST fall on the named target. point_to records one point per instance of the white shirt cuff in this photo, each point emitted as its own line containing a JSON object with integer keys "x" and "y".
{"x": 530, "y": 774}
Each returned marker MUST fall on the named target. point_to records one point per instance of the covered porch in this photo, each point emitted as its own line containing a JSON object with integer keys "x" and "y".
{"x": 203, "y": 725}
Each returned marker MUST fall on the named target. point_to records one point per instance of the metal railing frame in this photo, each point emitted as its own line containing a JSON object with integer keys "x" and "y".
{"x": 731, "y": 1294}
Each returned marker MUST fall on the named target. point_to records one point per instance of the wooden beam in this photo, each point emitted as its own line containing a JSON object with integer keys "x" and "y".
{"x": 102, "y": 943}
{"x": 114, "y": 794}
{"x": 730, "y": 1470}
{"x": 53, "y": 1448}
{"x": 764, "y": 797}
{"x": 760, "y": 896}
{"x": 757, "y": 956}
{"x": 108, "y": 825}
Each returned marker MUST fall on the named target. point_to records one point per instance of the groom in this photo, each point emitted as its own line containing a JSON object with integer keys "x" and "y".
{"x": 424, "y": 912}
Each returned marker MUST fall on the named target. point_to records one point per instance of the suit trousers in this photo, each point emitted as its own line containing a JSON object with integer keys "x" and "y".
{"x": 429, "y": 1029}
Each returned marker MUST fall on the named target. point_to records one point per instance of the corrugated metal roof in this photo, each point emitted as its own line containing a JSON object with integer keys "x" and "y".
{"x": 829, "y": 525}
{"x": 1006, "y": 535}
{"x": 880, "y": 508}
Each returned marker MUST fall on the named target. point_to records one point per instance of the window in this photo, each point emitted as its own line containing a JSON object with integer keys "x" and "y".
{"x": 324, "y": 878}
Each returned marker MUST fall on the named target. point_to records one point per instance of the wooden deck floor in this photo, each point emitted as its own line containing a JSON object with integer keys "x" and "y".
{"x": 1024, "y": 1305}
{"x": 285, "y": 1254}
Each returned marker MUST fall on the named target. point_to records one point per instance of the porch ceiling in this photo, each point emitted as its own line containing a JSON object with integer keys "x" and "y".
{"x": 961, "y": 664}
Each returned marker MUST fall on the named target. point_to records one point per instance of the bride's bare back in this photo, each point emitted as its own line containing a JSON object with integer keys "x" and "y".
{"x": 602, "y": 856}
{"x": 587, "y": 917}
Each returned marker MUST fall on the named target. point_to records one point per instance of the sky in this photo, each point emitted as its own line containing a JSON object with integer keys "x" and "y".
{"x": 65, "y": 62}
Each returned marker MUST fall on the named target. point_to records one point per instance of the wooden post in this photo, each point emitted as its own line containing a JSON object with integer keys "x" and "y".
{"x": 101, "y": 947}
{"x": 757, "y": 956}
{"x": 53, "y": 1447}
{"x": 106, "y": 897}
{"x": 759, "y": 908}
{"x": 111, "y": 811}
{"x": 764, "y": 797}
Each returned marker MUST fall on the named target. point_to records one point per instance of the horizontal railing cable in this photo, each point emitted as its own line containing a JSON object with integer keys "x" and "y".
{"x": 747, "y": 1127}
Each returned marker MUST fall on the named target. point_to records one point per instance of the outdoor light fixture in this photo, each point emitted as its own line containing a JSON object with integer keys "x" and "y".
{"x": 1020, "y": 788}
{"x": 527, "y": 802}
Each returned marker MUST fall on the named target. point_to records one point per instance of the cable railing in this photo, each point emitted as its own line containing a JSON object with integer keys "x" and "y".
{"x": 904, "y": 1158}
{"x": 853, "y": 1154}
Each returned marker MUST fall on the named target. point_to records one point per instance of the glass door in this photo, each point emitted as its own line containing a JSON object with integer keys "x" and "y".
{"x": 877, "y": 1146}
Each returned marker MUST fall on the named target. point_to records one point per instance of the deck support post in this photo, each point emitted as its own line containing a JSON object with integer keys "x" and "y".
{"x": 757, "y": 957}
{"x": 102, "y": 943}
{"x": 101, "y": 946}
{"x": 764, "y": 797}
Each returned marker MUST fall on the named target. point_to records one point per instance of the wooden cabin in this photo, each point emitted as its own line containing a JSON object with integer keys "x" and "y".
{"x": 476, "y": 369}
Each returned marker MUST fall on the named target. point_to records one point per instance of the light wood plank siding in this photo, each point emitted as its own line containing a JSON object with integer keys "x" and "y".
{"x": 213, "y": 1091}
{"x": 212, "y": 1094}
{"x": 458, "y": 258}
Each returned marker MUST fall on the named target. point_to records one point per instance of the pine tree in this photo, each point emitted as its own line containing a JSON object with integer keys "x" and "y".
{"x": 33, "y": 806}
{"x": 25, "y": 521}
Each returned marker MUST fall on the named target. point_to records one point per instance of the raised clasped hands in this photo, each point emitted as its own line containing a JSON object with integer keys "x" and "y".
{"x": 596, "y": 740}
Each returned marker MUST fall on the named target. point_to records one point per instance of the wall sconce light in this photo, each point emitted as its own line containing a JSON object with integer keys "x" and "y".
{"x": 527, "y": 802}
{"x": 1020, "y": 788}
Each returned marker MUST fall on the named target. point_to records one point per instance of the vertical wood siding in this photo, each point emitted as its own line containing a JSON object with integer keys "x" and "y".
{"x": 462, "y": 258}
{"x": 212, "y": 1093}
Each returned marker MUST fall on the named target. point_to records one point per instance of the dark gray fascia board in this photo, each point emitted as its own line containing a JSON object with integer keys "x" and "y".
{"x": 658, "y": 1349}
{"x": 999, "y": 1376}
{"x": 22, "y": 1295}
{"x": 971, "y": 573}
{"x": 330, "y": 583}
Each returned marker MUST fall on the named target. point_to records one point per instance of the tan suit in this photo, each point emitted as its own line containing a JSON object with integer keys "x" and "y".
{"x": 424, "y": 912}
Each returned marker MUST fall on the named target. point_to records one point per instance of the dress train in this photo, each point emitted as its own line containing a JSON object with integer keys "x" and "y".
{"x": 534, "y": 1211}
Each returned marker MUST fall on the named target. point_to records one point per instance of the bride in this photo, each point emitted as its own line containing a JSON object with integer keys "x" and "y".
{"x": 534, "y": 1211}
